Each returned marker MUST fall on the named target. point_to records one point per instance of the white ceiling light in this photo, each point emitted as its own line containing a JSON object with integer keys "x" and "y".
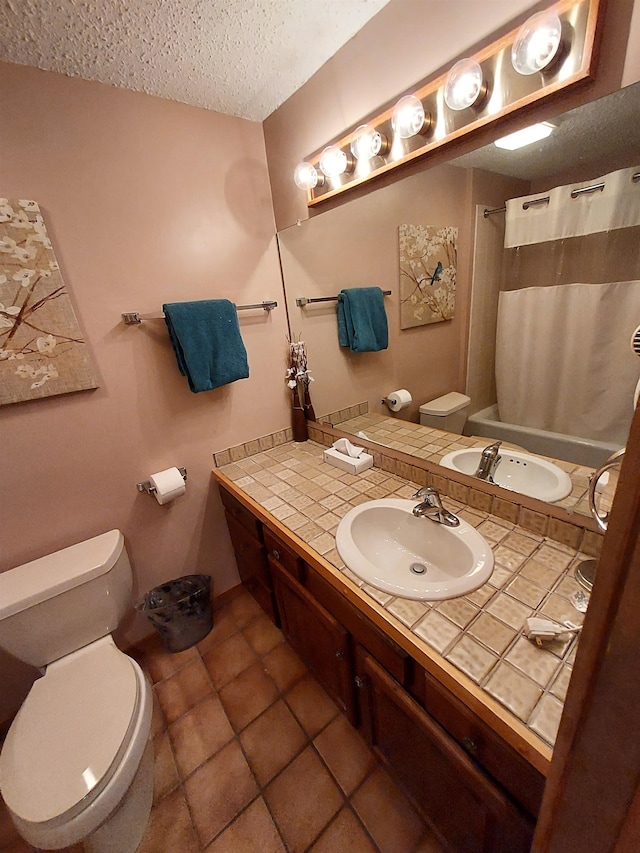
{"x": 537, "y": 43}
{"x": 533, "y": 133}
{"x": 334, "y": 162}
{"x": 306, "y": 176}
{"x": 409, "y": 118}
{"x": 367, "y": 142}
{"x": 465, "y": 85}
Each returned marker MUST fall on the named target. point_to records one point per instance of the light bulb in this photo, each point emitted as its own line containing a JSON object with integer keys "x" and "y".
{"x": 465, "y": 85}
{"x": 334, "y": 162}
{"x": 408, "y": 117}
{"x": 306, "y": 176}
{"x": 537, "y": 43}
{"x": 367, "y": 142}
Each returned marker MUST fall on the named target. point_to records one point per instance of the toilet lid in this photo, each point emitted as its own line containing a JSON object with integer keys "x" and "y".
{"x": 68, "y": 733}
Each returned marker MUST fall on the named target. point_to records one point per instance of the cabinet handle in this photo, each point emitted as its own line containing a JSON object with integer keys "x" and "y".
{"x": 340, "y": 655}
{"x": 469, "y": 744}
{"x": 360, "y": 682}
{"x": 275, "y": 554}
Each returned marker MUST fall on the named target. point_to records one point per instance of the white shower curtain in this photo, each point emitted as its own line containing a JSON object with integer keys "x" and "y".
{"x": 564, "y": 361}
{"x": 569, "y": 211}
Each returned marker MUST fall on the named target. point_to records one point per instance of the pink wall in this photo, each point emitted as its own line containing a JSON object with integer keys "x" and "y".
{"x": 146, "y": 201}
{"x": 356, "y": 245}
{"x": 404, "y": 43}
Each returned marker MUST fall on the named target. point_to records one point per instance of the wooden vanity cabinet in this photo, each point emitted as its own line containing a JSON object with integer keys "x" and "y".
{"x": 524, "y": 783}
{"x": 246, "y": 534}
{"x": 468, "y": 811}
{"x": 316, "y": 635}
{"x": 476, "y": 791}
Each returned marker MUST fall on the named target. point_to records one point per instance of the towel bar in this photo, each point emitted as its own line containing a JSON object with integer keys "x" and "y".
{"x": 301, "y": 301}
{"x": 134, "y": 318}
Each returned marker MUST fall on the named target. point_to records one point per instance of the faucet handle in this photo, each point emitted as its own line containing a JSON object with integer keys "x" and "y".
{"x": 423, "y": 492}
{"x": 430, "y": 495}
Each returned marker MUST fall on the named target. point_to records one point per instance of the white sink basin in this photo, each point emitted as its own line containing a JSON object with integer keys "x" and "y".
{"x": 517, "y": 471}
{"x": 383, "y": 543}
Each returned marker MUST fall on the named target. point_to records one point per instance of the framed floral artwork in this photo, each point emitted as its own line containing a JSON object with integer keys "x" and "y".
{"x": 42, "y": 351}
{"x": 428, "y": 259}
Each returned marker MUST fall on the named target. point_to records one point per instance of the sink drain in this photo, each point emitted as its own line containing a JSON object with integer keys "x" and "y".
{"x": 418, "y": 568}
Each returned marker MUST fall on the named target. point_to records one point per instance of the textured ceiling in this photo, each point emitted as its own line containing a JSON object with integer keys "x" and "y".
{"x": 239, "y": 57}
{"x": 606, "y": 128}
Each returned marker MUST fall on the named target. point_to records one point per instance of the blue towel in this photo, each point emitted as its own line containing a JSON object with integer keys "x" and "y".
{"x": 206, "y": 340}
{"x": 362, "y": 320}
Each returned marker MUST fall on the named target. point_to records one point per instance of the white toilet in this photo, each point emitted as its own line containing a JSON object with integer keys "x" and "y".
{"x": 448, "y": 413}
{"x": 77, "y": 763}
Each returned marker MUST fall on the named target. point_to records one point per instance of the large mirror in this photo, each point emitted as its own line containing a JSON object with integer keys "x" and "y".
{"x": 357, "y": 245}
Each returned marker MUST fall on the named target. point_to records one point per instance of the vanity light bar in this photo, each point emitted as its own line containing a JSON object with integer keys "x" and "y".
{"x": 515, "y": 71}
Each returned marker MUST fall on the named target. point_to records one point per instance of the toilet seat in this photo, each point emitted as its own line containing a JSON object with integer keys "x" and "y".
{"x": 71, "y": 734}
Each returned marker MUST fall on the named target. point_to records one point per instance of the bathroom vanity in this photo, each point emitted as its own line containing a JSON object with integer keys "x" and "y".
{"x": 475, "y": 769}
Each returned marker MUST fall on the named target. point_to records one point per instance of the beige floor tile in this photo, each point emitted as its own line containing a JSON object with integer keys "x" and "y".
{"x": 248, "y": 695}
{"x": 165, "y": 776}
{"x": 224, "y": 626}
{"x": 311, "y": 705}
{"x": 199, "y": 734}
{"x": 180, "y": 692}
{"x": 262, "y": 635}
{"x": 345, "y": 833}
{"x": 158, "y": 722}
{"x": 170, "y": 828}
{"x": 219, "y": 790}
{"x": 284, "y": 666}
{"x": 228, "y": 659}
{"x": 303, "y": 799}
{"x": 387, "y": 814}
{"x": 244, "y": 608}
{"x": 272, "y": 741}
{"x": 347, "y": 756}
{"x": 160, "y": 664}
{"x": 252, "y": 832}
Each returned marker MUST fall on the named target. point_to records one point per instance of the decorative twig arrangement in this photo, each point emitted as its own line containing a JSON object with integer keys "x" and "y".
{"x": 298, "y": 378}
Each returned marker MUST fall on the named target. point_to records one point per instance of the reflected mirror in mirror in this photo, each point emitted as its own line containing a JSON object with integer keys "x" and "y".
{"x": 356, "y": 245}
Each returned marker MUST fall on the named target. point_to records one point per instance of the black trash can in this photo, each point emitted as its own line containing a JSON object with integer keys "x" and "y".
{"x": 180, "y": 611}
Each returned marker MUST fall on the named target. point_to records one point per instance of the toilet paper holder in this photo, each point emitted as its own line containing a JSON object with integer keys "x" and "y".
{"x": 151, "y": 490}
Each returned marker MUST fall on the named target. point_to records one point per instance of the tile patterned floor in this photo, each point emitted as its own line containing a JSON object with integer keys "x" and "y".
{"x": 253, "y": 757}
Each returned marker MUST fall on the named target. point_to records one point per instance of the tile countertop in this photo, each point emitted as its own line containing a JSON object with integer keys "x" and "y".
{"x": 432, "y": 444}
{"x": 480, "y": 634}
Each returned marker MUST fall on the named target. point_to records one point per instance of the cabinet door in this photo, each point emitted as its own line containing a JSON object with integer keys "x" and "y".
{"x": 320, "y": 641}
{"x": 253, "y": 568}
{"x": 470, "y": 813}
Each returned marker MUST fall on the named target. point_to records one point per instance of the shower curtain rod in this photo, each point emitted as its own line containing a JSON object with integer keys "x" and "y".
{"x": 545, "y": 199}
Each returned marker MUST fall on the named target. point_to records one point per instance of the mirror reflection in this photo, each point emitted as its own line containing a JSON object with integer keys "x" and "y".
{"x": 537, "y": 354}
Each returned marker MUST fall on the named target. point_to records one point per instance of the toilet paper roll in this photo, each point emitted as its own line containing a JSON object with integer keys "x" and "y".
{"x": 169, "y": 485}
{"x": 398, "y": 400}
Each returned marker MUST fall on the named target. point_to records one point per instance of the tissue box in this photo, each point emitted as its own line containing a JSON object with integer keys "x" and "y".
{"x": 348, "y": 463}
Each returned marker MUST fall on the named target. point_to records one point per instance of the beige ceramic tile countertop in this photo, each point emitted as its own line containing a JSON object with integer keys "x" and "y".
{"x": 432, "y": 444}
{"x": 478, "y": 635}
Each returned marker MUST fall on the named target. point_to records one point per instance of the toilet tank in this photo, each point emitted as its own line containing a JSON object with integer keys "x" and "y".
{"x": 66, "y": 600}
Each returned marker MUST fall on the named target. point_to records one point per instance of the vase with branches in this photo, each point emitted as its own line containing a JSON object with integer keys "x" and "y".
{"x": 298, "y": 378}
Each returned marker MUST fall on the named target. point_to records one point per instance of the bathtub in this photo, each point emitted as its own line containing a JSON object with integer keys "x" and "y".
{"x": 571, "y": 448}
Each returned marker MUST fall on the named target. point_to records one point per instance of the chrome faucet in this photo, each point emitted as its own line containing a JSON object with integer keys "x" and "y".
{"x": 431, "y": 507}
{"x": 489, "y": 460}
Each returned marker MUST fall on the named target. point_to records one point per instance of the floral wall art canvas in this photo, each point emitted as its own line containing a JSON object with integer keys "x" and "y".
{"x": 42, "y": 351}
{"x": 428, "y": 258}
